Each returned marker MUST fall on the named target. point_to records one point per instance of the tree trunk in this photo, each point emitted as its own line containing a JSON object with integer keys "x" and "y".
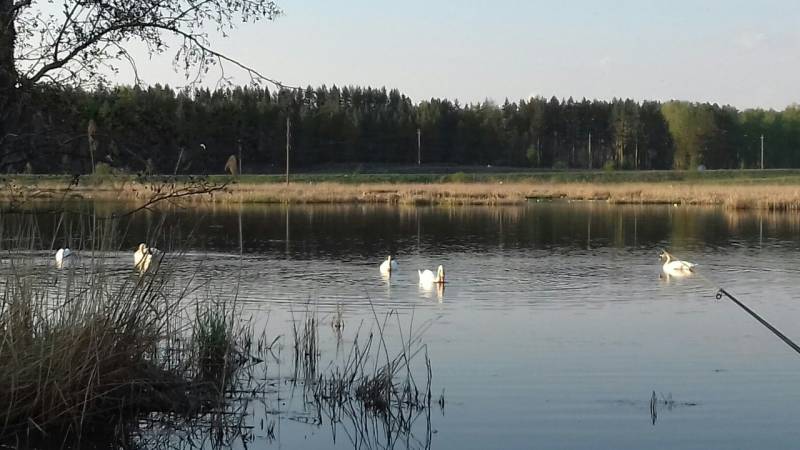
{"x": 8, "y": 37}
{"x": 8, "y": 77}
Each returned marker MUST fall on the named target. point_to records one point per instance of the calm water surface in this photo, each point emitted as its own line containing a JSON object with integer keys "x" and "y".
{"x": 555, "y": 326}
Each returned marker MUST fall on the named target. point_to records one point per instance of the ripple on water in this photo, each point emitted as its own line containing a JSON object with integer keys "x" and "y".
{"x": 556, "y": 323}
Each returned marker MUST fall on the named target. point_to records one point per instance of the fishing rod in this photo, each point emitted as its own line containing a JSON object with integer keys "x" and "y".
{"x": 721, "y": 292}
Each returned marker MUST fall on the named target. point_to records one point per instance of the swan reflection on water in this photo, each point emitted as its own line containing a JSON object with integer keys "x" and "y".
{"x": 427, "y": 290}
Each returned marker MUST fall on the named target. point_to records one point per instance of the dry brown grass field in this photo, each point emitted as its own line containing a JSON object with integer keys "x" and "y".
{"x": 766, "y": 194}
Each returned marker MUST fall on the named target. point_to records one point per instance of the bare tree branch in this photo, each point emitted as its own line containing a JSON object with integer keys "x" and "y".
{"x": 19, "y": 5}
{"x": 77, "y": 42}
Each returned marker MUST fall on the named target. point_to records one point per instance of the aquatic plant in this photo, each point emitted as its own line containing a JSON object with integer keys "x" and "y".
{"x": 213, "y": 342}
{"x": 306, "y": 346}
{"x": 375, "y": 390}
{"x": 87, "y": 353}
{"x": 68, "y": 364}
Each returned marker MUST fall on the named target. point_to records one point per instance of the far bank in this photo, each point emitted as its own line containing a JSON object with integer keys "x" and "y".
{"x": 751, "y": 189}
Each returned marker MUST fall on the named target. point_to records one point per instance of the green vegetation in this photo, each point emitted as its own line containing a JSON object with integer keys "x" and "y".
{"x": 69, "y": 361}
{"x": 607, "y": 174}
{"x": 157, "y": 130}
{"x": 89, "y": 353}
{"x": 213, "y": 341}
{"x": 458, "y": 177}
{"x": 779, "y": 176}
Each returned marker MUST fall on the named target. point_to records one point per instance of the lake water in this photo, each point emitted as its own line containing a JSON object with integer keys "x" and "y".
{"x": 554, "y": 329}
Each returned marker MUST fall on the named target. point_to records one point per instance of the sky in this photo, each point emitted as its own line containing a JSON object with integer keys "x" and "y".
{"x": 742, "y": 53}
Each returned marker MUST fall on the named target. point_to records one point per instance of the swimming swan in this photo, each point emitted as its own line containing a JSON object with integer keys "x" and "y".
{"x": 676, "y": 267}
{"x": 427, "y": 277}
{"x": 65, "y": 258}
{"x": 143, "y": 257}
{"x": 388, "y": 266}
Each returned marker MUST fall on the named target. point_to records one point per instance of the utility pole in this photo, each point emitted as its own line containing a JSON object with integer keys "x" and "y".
{"x": 590, "y": 150}
{"x": 538, "y": 153}
{"x": 419, "y": 147}
{"x": 621, "y": 146}
{"x": 636, "y": 154}
{"x": 572, "y": 156}
{"x": 762, "y": 151}
{"x": 288, "y": 140}
{"x": 240, "y": 157}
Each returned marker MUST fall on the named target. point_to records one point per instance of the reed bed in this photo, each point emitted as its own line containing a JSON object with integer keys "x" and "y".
{"x": 87, "y": 365}
{"x": 90, "y": 353}
{"x": 766, "y": 194}
{"x": 755, "y": 196}
{"x": 377, "y": 396}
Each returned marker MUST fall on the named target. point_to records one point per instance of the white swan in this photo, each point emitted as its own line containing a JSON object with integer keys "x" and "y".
{"x": 388, "y": 266}
{"x": 143, "y": 257}
{"x": 65, "y": 258}
{"x": 138, "y": 255}
{"x": 427, "y": 277}
{"x": 675, "y": 267}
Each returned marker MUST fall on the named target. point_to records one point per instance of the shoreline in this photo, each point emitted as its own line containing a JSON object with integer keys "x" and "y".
{"x": 762, "y": 197}
{"x": 733, "y": 194}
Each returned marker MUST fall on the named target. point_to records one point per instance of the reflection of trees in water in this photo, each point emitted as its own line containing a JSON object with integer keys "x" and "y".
{"x": 770, "y": 223}
{"x": 371, "y": 231}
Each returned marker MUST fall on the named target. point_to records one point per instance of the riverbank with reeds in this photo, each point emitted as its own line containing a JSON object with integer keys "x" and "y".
{"x": 95, "y": 354}
{"x": 85, "y": 357}
{"x": 767, "y": 190}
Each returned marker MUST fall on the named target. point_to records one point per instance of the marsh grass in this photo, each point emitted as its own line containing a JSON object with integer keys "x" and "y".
{"x": 88, "y": 353}
{"x": 746, "y": 196}
{"x": 306, "y": 346}
{"x": 69, "y": 366}
{"x": 735, "y": 189}
{"x": 214, "y": 344}
{"x": 377, "y": 391}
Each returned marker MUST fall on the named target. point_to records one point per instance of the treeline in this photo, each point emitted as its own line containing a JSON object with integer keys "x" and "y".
{"x": 160, "y": 130}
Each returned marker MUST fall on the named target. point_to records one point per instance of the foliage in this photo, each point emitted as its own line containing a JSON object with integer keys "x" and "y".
{"x": 159, "y": 129}
{"x": 458, "y": 177}
{"x": 91, "y": 35}
{"x": 74, "y": 44}
{"x": 532, "y": 156}
{"x": 103, "y": 169}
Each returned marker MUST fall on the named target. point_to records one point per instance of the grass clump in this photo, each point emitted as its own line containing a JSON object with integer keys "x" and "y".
{"x": 380, "y": 391}
{"x": 65, "y": 366}
{"x": 458, "y": 177}
{"x": 214, "y": 344}
{"x": 85, "y": 357}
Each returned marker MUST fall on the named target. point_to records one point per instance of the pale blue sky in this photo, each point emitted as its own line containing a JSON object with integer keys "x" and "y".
{"x": 745, "y": 53}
